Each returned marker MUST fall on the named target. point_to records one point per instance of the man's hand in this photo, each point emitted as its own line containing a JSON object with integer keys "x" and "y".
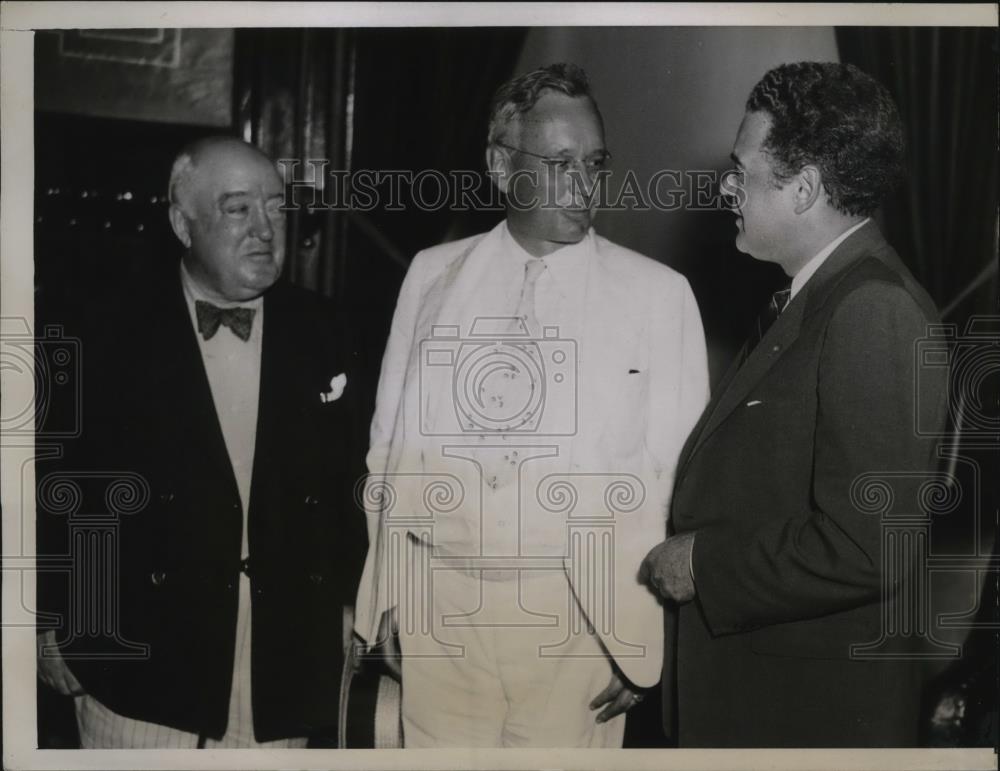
{"x": 52, "y": 668}
{"x": 388, "y": 643}
{"x": 619, "y": 698}
{"x": 667, "y": 568}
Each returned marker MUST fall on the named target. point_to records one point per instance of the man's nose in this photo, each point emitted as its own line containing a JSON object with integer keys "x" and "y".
{"x": 260, "y": 224}
{"x": 580, "y": 183}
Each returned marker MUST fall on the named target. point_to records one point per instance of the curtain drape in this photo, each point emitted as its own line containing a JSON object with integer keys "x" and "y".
{"x": 943, "y": 220}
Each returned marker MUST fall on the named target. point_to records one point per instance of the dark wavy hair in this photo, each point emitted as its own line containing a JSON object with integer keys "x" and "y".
{"x": 839, "y": 119}
{"x": 517, "y": 96}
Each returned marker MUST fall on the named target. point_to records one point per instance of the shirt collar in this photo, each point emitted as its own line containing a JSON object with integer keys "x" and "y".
{"x": 799, "y": 279}
{"x": 566, "y": 265}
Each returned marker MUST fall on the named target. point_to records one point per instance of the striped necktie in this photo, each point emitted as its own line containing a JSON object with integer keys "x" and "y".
{"x": 766, "y": 318}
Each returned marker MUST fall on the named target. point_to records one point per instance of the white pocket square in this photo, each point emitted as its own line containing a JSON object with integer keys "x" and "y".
{"x": 754, "y": 403}
{"x": 336, "y": 389}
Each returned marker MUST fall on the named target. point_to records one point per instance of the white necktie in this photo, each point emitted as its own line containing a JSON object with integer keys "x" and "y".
{"x": 526, "y": 306}
{"x": 508, "y": 389}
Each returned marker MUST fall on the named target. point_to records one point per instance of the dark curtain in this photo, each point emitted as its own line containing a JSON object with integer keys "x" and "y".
{"x": 943, "y": 220}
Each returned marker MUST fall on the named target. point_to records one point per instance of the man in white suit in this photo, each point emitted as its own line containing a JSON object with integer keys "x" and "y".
{"x": 538, "y": 384}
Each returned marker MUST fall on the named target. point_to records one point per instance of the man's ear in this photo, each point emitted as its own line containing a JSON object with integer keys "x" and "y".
{"x": 498, "y": 166}
{"x": 808, "y": 188}
{"x": 180, "y": 225}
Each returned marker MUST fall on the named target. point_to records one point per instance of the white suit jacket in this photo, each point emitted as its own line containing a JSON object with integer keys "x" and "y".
{"x": 642, "y": 385}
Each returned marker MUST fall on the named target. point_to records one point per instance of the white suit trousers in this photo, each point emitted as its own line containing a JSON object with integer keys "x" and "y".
{"x": 507, "y": 662}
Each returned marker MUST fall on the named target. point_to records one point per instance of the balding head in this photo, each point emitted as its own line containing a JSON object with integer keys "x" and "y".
{"x": 185, "y": 166}
{"x": 225, "y": 199}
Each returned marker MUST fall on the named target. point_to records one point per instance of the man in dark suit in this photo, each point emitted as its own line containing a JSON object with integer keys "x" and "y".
{"x": 214, "y": 398}
{"x": 775, "y": 564}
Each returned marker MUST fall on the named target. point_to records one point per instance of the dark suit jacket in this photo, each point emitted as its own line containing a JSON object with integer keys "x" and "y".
{"x": 174, "y": 552}
{"x": 788, "y": 569}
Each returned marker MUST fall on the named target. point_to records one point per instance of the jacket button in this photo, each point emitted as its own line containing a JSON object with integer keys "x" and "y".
{"x": 157, "y": 577}
{"x": 316, "y": 578}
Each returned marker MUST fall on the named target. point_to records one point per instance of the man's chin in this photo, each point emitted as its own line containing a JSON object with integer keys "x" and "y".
{"x": 261, "y": 279}
{"x": 574, "y": 229}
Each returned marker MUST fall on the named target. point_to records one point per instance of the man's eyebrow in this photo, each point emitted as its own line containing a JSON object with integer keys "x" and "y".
{"x": 567, "y": 152}
{"x": 226, "y": 197}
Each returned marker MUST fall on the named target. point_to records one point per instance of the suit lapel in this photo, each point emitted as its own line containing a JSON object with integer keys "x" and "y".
{"x": 439, "y": 308}
{"x": 177, "y": 373}
{"x": 276, "y": 364}
{"x": 694, "y": 438}
{"x": 739, "y": 381}
{"x": 772, "y": 346}
{"x": 608, "y": 326}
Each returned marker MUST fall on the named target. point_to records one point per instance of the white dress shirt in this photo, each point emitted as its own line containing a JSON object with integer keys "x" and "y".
{"x": 504, "y": 526}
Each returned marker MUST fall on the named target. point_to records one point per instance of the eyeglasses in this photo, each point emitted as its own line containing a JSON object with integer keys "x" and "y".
{"x": 565, "y": 163}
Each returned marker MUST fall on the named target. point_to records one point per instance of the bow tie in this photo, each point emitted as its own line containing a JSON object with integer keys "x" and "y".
{"x": 239, "y": 320}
